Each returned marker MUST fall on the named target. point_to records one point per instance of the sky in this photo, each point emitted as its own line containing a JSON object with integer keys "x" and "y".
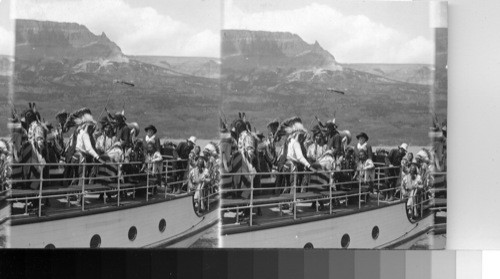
{"x": 352, "y": 31}
{"x": 147, "y": 27}
{"x": 6, "y": 29}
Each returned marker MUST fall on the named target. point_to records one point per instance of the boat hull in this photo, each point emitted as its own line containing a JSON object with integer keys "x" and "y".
{"x": 183, "y": 227}
{"x": 327, "y": 231}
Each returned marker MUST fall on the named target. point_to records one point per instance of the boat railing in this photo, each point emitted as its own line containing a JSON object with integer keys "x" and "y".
{"x": 423, "y": 199}
{"x": 87, "y": 183}
{"x": 295, "y": 190}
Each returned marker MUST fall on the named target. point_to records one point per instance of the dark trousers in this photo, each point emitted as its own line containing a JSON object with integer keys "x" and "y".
{"x": 392, "y": 180}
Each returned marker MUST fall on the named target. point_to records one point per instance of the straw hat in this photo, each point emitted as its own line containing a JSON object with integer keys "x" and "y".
{"x": 404, "y": 146}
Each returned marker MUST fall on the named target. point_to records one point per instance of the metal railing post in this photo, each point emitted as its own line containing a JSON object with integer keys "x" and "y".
{"x": 331, "y": 186}
{"x": 208, "y": 201}
{"x": 147, "y": 183}
{"x": 359, "y": 195}
{"x": 378, "y": 187}
{"x": 166, "y": 179}
{"x": 119, "y": 184}
{"x": 40, "y": 194}
{"x": 422, "y": 206}
{"x": 294, "y": 196}
{"x": 251, "y": 202}
{"x": 82, "y": 199}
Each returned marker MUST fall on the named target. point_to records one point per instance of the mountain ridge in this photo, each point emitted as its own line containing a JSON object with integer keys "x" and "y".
{"x": 49, "y": 39}
{"x": 249, "y": 49}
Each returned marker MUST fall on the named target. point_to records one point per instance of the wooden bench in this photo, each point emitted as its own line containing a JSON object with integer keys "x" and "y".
{"x": 256, "y": 201}
{"x": 260, "y": 200}
{"x": 335, "y": 195}
{"x": 126, "y": 186}
{"x": 24, "y": 194}
{"x": 308, "y": 196}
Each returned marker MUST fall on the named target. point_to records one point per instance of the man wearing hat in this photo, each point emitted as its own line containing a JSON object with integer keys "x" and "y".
{"x": 393, "y": 162}
{"x": 151, "y": 136}
{"x": 182, "y": 151}
{"x": 363, "y": 145}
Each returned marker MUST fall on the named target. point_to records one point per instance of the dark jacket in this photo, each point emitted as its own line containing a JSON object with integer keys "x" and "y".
{"x": 123, "y": 134}
{"x": 394, "y": 158}
{"x": 369, "y": 152}
{"x": 334, "y": 143}
{"x": 183, "y": 150}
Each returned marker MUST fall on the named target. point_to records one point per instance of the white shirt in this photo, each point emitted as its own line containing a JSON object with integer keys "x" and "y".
{"x": 315, "y": 151}
{"x": 84, "y": 145}
{"x": 366, "y": 170}
{"x": 294, "y": 153}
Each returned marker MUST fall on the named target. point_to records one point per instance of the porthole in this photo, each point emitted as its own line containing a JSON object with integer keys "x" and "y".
{"x": 162, "y": 225}
{"x": 95, "y": 241}
{"x": 132, "y": 233}
{"x": 375, "y": 232}
{"x": 344, "y": 242}
{"x": 309, "y": 245}
{"x": 50, "y": 246}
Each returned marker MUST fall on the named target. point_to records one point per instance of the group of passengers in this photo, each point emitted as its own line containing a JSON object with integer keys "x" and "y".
{"x": 111, "y": 140}
{"x": 202, "y": 175}
{"x": 326, "y": 148}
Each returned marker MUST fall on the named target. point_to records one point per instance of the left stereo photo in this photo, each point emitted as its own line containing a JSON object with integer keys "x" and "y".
{"x": 111, "y": 109}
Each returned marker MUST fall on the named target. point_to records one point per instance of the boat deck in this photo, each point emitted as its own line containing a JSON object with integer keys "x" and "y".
{"x": 64, "y": 200}
{"x": 282, "y": 208}
{"x": 270, "y": 209}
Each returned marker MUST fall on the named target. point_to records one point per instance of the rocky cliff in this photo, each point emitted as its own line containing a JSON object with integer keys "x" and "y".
{"x": 244, "y": 49}
{"x": 47, "y": 39}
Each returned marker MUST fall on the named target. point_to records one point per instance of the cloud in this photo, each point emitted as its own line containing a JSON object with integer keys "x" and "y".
{"x": 198, "y": 43}
{"x": 136, "y": 30}
{"x": 351, "y": 39}
{"x": 7, "y": 42}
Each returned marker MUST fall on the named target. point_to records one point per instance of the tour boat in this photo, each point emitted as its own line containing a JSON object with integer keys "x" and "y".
{"x": 137, "y": 217}
{"x": 351, "y": 217}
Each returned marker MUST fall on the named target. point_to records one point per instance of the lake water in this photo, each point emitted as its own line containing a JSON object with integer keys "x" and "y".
{"x": 425, "y": 242}
{"x": 430, "y": 241}
{"x": 209, "y": 240}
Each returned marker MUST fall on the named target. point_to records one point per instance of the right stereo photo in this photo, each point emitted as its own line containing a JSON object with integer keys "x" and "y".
{"x": 333, "y": 125}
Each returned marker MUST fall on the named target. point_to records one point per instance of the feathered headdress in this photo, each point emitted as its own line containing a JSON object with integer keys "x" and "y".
{"x": 273, "y": 126}
{"x": 223, "y": 127}
{"x": 290, "y": 126}
{"x": 62, "y": 114}
{"x": 82, "y": 115}
{"x": 212, "y": 149}
{"x": 79, "y": 117}
{"x": 4, "y": 146}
